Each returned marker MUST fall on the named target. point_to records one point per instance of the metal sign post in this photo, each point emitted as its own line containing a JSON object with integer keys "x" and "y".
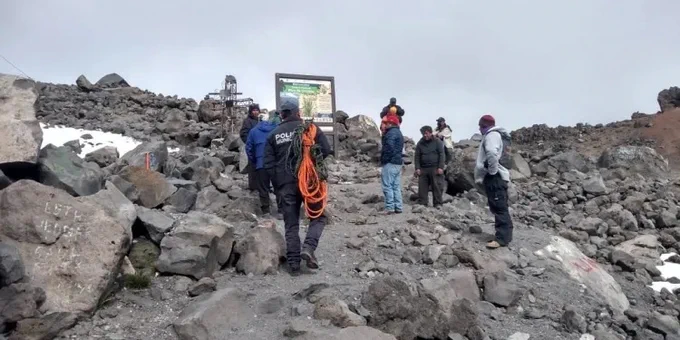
{"x": 316, "y": 95}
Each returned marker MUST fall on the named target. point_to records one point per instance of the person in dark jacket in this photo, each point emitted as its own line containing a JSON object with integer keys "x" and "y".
{"x": 281, "y": 164}
{"x": 397, "y": 109}
{"x": 248, "y": 124}
{"x": 391, "y": 161}
{"x": 257, "y": 138}
{"x": 429, "y": 162}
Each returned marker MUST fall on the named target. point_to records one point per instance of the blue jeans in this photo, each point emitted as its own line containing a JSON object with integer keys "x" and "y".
{"x": 391, "y": 185}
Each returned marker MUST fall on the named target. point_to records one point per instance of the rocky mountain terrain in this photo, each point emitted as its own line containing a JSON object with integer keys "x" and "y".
{"x": 154, "y": 244}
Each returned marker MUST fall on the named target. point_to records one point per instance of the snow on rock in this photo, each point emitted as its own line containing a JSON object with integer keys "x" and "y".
{"x": 668, "y": 270}
{"x": 94, "y": 140}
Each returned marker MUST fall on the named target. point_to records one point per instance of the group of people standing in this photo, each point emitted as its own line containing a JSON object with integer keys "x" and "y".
{"x": 432, "y": 154}
{"x": 269, "y": 137}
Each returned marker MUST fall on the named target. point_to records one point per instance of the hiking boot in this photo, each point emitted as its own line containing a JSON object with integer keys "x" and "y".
{"x": 294, "y": 270}
{"x": 309, "y": 257}
{"x": 493, "y": 245}
{"x": 398, "y": 211}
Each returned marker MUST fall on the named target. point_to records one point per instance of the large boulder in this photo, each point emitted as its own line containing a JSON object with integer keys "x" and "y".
{"x": 71, "y": 247}
{"x": 158, "y": 155}
{"x": 635, "y": 159}
{"x": 585, "y": 271}
{"x": 261, "y": 250}
{"x": 213, "y": 316}
{"x": 153, "y": 187}
{"x": 19, "y": 128}
{"x": 361, "y": 126}
{"x": 410, "y": 311}
{"x": 61, "y": 168}
{"x": 669, "y": 98}
{"x": 112, "y": 80}
{"x": 199, "y": 244}
{"x": 460, "y": 171}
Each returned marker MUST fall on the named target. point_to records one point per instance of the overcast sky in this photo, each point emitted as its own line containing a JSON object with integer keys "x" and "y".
{"x": 525, "y": 62}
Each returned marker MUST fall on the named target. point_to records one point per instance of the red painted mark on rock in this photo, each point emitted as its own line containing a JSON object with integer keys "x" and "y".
{"x": 586, "y": 264}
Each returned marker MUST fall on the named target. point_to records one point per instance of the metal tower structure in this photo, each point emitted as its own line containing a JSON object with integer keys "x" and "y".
{"x": 228, "y": 98}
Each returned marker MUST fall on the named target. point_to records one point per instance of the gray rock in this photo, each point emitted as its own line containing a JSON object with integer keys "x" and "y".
{"x": 20, "y": 131}
{"x": 72, "y": 247}
{"x": 502, "y": 290}
{"x": 153, "y": 188}
{"x": 204, "y": 285}
{"x": 182, "y": 200}
{"x": 337, "y": 312}
{"x": 157, "y": 223}
{"x": 214, "y": 316}
{"x": 4, "y": 180}
{"x": 63, "y": 169}
{"x": 635, "y": 159}
{"x": 594, "y": 185}
{"x": 158, "y": 155}
{"x": 129, "y": 190}
{"x": 261, "y": 250}
{"x": 664, "y": 324}
{"x": 198, "y": 245}
{"x": 11, "y": 266}
{"x": 84, "y": 84}
{"x": 103, "y": 156}
{"x": 112, "y": 80}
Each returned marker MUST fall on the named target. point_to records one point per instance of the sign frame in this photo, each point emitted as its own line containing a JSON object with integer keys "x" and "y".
{"x": 304, "y": 78}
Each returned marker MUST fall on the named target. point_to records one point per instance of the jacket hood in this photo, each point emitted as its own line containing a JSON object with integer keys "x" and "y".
{"x": 502, "y": 131}
{"x": 265, "y": 126}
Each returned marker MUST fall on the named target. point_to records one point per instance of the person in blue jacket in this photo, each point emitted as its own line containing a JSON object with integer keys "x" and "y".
{"x": 255, "y": 143}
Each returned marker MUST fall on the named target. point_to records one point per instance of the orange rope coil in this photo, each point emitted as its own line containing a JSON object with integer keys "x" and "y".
{"x": 313, "y": 189}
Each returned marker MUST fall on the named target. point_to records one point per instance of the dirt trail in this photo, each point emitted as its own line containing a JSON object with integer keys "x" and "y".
{"x": 148, "y": 314}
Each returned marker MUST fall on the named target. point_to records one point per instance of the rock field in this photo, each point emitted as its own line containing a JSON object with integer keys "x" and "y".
{"x": 101, "y": 247}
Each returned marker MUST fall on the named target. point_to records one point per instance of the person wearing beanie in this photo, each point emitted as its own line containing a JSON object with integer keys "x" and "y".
{"x": 255, "y": 144}
{"x": 392, "y": 108}
{"x": 281, "y": 163}
{"x": 391, "y": 161}
{"x": 248, "y": 124}
{"x": 492, "y": 172}
{"x": 429, "y": 163}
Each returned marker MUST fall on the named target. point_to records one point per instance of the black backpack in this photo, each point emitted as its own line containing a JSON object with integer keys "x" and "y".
{"x": 505, "y": 160}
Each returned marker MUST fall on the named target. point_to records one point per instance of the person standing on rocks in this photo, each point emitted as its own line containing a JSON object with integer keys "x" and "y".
{"x": 255, "y": 143}
{"x": 444, "y": 133}
{"x": 391, "y": 161}
{"x": 491, "y": 171}
{"x": 281, "y": 162}
{"x": 248, "y": 124}
{"x": 429, "y": 162}
{"x": 392, "y": 108}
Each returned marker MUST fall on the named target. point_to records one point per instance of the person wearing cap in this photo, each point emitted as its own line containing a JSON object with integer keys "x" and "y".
{"x": 494, "y": 177}
{"x": 392, "y": 108}
{"x": 429, "y": 163}
{"x": 443, "y": 132}
{"x": 255, "y": 143}
{"x": 248, "y": 124}
{"x": 391, "y": 161}
{"x": 281, "y": 163}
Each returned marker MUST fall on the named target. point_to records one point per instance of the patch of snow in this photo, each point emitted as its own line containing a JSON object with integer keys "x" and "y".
{"x": 59, "y": 135}
{"x": 668, "y": 270}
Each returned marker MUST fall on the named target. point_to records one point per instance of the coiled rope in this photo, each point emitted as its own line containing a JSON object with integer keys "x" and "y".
{"x": 310, "y": 169}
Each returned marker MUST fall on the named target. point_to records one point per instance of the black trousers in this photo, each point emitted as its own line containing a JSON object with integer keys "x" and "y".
{"x": 264, "y": 185}
{"x": 291, "y": 200}
{"x": 252, "y": 177}
{"x": 430, "y": 180}
{"x": 497, "y": 194}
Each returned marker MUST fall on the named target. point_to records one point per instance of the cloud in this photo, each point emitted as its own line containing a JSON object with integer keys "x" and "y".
{"x": 524, "y": 61}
